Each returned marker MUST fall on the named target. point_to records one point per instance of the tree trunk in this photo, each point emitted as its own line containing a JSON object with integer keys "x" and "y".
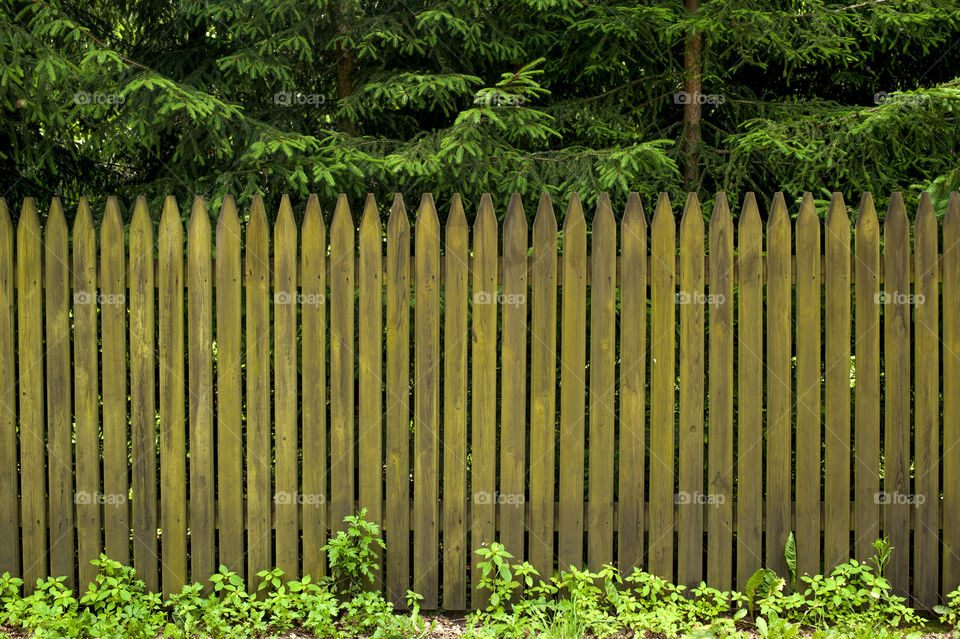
{"x": 691, "y": 107}
{"x": 345, "y": 59}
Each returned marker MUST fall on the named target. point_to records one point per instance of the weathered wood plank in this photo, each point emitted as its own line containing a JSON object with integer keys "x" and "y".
{"x": 370, "y": 367}
{"x": 143, "y": 390}
{"x": 342, "y": 291}
{"x": 543, "y": 386}
{"x": 720, "y": 477}
{"x": 397, "y": 413}
{"x": 229, "y": 270}
{"x": 750, "y": 369}
{"x": 896, "y": 377}
{"x": 779, "y": 376}
{"x": 33, "y": 483}
{"x": 926, "y": 416}
{"x": 867, "y": 390}
{"x": 513, "y": 386}
{"x": 257, "y": 366}
{"x": 285, "y": 392}
{"x": 173, "y": 452}
{"x": 573, "y": 326}
{"x": 663, "y": 250}
{"x": 426, "y": 430}
{"x": 837, "y": 448}
{"x": 633, "y": 377}
{"x": 60, "y": 495}
{"x": 692, "y": 298}
{"x": 483, "y": 476}
{"x": 951, "y": 394}
{"x": 314, "y": 401}
{"x": 455, "y": 339}
{"x": 86, "y": 377}
{"x": 807, "y": 476}
{"x": 603, "y": 326}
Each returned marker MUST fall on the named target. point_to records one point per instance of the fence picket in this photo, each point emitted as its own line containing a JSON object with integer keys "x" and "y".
{"x": 749, "y": 410}
{"x": 779, "y": 375}
{"x": 950, "y": 564}
{"x": 513, "y": 372}
{"x": 483, "y": 435}
{"x": 633, "y": 376}
{"x": 143, "y": 389}
{"x": 426, "y": 429}
{"x": 926, "y": 414}
{"x": 56, "y": 284}
{"x": 573, "y": 326}
{"x": 456, "y": 262}
{"x": 603, "y": 318}
{"x": 837, "y": 449}
{"x": 86, "y": 383}
{"x": 663, "y": 285}
{"x": 257, "y": 366}
{"x": 896, "y": 423}
{"x": 543, "y": 385}
{"x": 33, "y": 485}
{"x": 867, "y": 391}
{"x": 397, "y": 414}
{"x": 285, "y": 392}
{"x": 173, "y": 476}
{"x": 808, "y": 447}
{"x": 720, "y": 399}
{"x": 313, "y": 256}
{"x": 229, "y": 426}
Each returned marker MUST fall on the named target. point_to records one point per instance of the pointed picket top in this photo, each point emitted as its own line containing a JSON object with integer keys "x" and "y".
{"x": 199, "y": 226}
{"x": 258, "y": 213}
{"x": 750, "y": 213}
{"x": 604, "y": 220}
{"x": 313, "y": 224}
{"x": 286, "y": 225}
{"x": 82, "y": 219}
{"x": 5, "y": 213}
{"x": 808, "y": 211}
{"x": 370, "y": 221}
{"x": 634, "y": 222}
{"x": 515, "y": 221}
{"x": 456, "y": 219}
{"x": 867, "y": 215}
{"x": 342, "y": 222}
{"x": 56, "y": 222}
{"x": 398, "y": 222}
{"x": 692, "y": 219}
{"x": 545, "y": 222}
{"x": 170, "y": 218}
{"x": 663, "y": 213}
{"x": 228, "y": 222}
{"x": 896, "y": 220}
{"x": 574, "y": 215}
{"x": 925, "y": 212}
{"x": 28, "y": 226}
{"x": 720, "y": 217}
{"x": 837, "y": 219}
{"x": 427, "y": 212}
{"x": 141, "y": 229}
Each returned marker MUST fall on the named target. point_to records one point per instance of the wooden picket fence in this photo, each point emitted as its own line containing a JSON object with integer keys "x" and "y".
{"x": 750, "y": 383}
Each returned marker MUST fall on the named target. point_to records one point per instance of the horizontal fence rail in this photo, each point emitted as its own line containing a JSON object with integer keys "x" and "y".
{"x": 674, "y": 392}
